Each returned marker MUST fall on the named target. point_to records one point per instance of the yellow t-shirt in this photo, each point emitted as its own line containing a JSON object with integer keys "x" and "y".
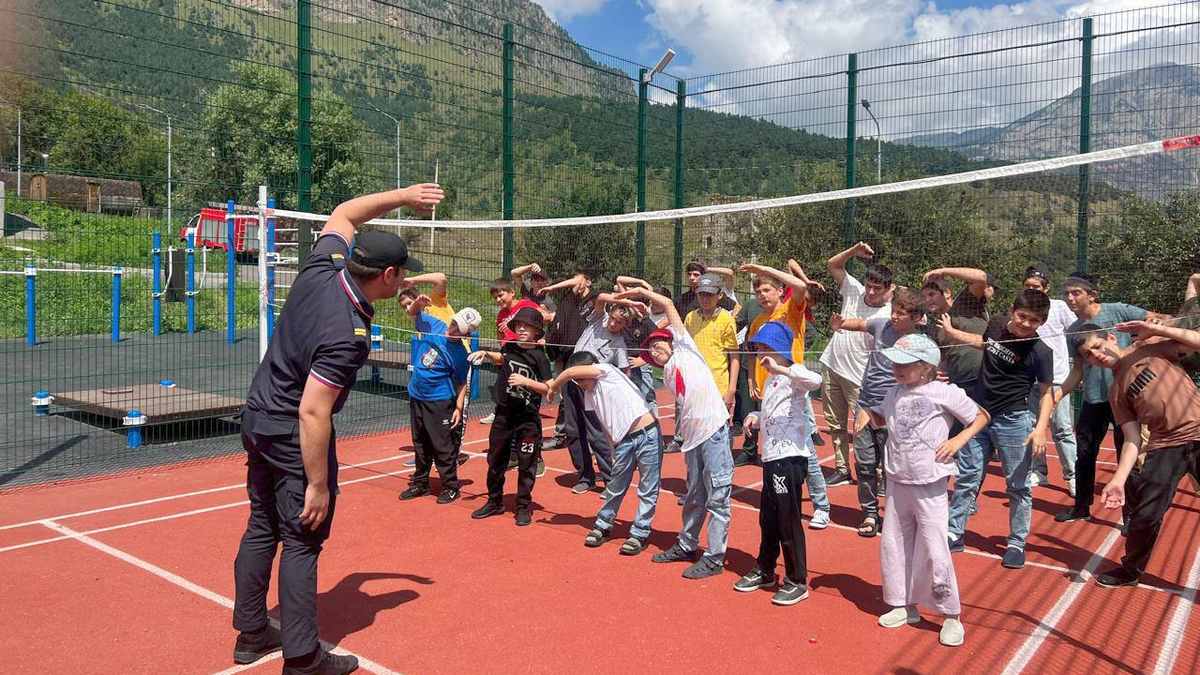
{"x": 791, "y": 313}
{"x": 440, "y": 308}
{"x": 715, "y": 337}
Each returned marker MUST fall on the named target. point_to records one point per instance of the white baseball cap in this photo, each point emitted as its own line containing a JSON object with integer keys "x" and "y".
{"x": 467, "y": 319}
{"x": 912, "y": 348}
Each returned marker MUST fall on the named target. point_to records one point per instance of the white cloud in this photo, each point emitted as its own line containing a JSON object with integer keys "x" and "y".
{"x": 565, "y": 10}
{"x": 786, "y": 40}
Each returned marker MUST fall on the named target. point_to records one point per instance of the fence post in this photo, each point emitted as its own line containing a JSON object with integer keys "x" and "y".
{"x": 1085, "y": 145}
{"x": 3, "y": 218}
{"x": 116, "y": 303}
{"x": 474, "y": 390}
{"x": 640, "y": 237}
{"x": 191, "y": 282}
{"x": 264, "y": 309}
{"x": 156, "y": 283}
{"x": 851, "y": 140}
{"x": 304, "y": 126}
{"x": 506, "y": 151}
{"x": 272, "y": 261}
{"x": 30, "y": 304}
{"x": 230, "y": 273}
{"x": 680, "y": 102}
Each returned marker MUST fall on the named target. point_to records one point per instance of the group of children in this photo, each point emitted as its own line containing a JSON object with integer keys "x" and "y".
{"x": 935, "y": 385}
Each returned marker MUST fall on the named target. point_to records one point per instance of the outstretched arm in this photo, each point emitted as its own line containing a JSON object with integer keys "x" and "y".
{"x": 795, "y": 268}
{"x": 837, "y": 264}
{"x": 661, "y": 302}
{"x": 570, "y": 282}
{"x": 349, "y": 215}
{"x": 836, "y": 322}
{"x": 798, "y": 286}
{"x": 975, "y": 278}
{"x": 440, "y": 285}
{"x": 629, "y": 282}
{"x": 1185, "y": 338}
{"x": 570, "y": 374}
{"x": 957, "y": 336}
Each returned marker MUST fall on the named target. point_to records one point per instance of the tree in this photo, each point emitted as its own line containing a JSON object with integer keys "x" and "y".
{"x": 604, "y": 250}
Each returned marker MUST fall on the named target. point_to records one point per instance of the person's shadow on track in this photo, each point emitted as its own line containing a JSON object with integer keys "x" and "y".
{"x": 346, "y": 608}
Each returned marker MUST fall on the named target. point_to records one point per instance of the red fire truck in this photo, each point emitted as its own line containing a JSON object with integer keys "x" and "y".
{"x": 209, "y": 228}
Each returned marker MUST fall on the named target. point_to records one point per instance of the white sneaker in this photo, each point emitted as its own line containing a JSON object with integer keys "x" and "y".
{"x": 1036, "y": 479}
{"x": 488, "y": 420}
{"x": 1071, "y": 488}
{"x": 820, "y": 520}
{"x": 952, "y": 633}
{"x": 900, "y": 616}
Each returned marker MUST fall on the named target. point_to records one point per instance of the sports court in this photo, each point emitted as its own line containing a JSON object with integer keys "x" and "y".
{"x": 133, "y": 574}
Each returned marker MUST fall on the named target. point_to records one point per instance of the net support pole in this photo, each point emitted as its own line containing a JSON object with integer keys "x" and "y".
{"x": 1085, "y": 145}
{"x": 680, "y": 102}
{"x": 851, "y": 139}
{"x": 230, "y": 273}
{"x": 116, "y": 304}
{"x": 506, "y": 151}
{"x": 264, "y": 310}
{"x": 156, "y": 281}
{"x": 30, "y": 304}
{"x": 304, "y": 121}
{"x": 191, "y": 282}
{"x": 640, "y": 236}
{"x": 272, "y": 260}
{"x": 474, "y": 379}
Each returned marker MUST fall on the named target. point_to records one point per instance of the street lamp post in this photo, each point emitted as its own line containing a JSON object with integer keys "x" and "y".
{"x": 397, "y": 122}
{"x": 46, "y": 162}
{"x": 19, "y": 148}
{"x": 878, "y": 144}
{"x": 169, "y": 143}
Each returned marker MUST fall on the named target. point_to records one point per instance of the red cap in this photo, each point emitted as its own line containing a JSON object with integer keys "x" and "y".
{"x": 657, "y": 334}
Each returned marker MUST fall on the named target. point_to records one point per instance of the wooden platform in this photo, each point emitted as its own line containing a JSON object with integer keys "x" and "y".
{"x": 158, "y": 403}
{"x": 397, "y": 360}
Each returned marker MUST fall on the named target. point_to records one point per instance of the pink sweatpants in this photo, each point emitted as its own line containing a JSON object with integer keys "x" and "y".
{"x": 914, "y": 554}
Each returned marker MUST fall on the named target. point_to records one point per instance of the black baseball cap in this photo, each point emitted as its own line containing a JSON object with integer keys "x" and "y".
{"x": 374, "y": 248}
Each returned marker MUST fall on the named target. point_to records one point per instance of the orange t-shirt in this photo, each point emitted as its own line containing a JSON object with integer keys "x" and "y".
{"x": 791, "y": 312}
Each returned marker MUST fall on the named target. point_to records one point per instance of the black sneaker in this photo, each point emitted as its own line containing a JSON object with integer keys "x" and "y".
{"x": 674, "y": 554}
{"x": 414, "y": 491}
{"x": 816, "y": 439}
{"x": 487, "y": 510}
{"x": 1014, "y": 558}
{"x": 581, "y": 487}
{"x": 251, "y": 647}
{"x": 523, "y": 517}
{"x": 838, "y": 477}
{"x": 753, "y": 581}
{"x": 541, "y": 468}
{"x": 448, "y": 495}
{"x": 1117, "y": 577}
{"x": 1072, "y": 514}
{"x": 674, "y": 447}
{"x": 703, "y": 568}
{"x": 745, "y": 458}
{"x": 957, "y": 545}
{"x": 789, "y": 593}
{"x": 330, "y": 664}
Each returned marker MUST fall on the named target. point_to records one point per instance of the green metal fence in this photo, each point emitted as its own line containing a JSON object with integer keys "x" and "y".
{"x": 124, "y": 118}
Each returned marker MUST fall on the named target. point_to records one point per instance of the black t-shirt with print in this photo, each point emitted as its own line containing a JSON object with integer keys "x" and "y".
{"x": 1010, "y": 367}
{"x": 532, "y": 363}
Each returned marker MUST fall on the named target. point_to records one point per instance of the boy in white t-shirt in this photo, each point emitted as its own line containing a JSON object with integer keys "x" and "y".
{"x": 625, "y": 417}
{"x": 785, "y": 444}
{"x": 845, "y": 357}
{"x": 702, "y": 424}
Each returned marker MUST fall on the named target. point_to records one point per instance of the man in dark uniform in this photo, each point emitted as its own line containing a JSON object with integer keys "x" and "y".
{"x": 320, "y": 342}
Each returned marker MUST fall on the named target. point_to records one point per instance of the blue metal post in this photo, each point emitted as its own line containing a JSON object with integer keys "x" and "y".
{"x": 116, "y": 304}
{"x": 474, "y": 394}
{"x": 230, "y": 276}
{"x": 30, "y": 305}
{"x": 376, "y": 346}
{"x": 271, "y": 262}
{"x": 133, "y": 423}
{"x": 156, "y": 284}
{"x": 191, "y": 283}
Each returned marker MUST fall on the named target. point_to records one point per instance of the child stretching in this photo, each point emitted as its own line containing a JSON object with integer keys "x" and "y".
{"x": 523, "y": 380}
{"x": 626, "y": 420}
{"x": 914, "y": 553}
{"x": 785, "y": 444}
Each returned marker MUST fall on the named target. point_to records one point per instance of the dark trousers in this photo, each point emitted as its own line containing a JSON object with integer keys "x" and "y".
{"x": 743, "y": 405}
{"x": 779, "y": 517}
{"x": 435, "y": 441}
{"x": 1149, "y": 495}
{"x": 276, "y": 500}
{"x": 509, "y": 435}
{"x": 1090, "y": 428}
{"x": 869, "y": 449}
{"x": 585, "y": 438}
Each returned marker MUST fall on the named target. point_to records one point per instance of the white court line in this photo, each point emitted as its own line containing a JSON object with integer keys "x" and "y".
{"x": 186, "y": 585}
{"x": 250, "y": 666}
{"x": 1179, "y": 621}
{"x": 1027, "y": 651}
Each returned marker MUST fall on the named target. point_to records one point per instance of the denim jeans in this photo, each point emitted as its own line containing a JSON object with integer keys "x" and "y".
{"x": 870, "y": 445}
{"x": 817, "y": 490}
{"x": 1005, "y": 436}
{"x": 709, "y": 487}
{"x": 641, "y": 450}
{"x": 1062, "y": 427}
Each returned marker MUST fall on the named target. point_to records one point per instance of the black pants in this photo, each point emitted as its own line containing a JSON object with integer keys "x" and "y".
{"x": 1090, "y": 428}
{"x": 509, "y": 435}
{"x": 1149, "y": 495}
{"x": 435, "y": 441}
{"x": 870, "y": 446}
{"x": 276, "y": 500}
{"x": 585, "y": 438}
{"x": 779, "y": 517}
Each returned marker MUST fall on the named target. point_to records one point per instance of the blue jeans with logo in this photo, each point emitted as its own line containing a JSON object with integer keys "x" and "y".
{"x": 709, "y": 488}
{"x": 641, "y": 450}
{"x": 1004, "y": 436}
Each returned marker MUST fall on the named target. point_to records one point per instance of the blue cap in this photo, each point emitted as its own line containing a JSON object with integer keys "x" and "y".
{"x": 777, "y": 337}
